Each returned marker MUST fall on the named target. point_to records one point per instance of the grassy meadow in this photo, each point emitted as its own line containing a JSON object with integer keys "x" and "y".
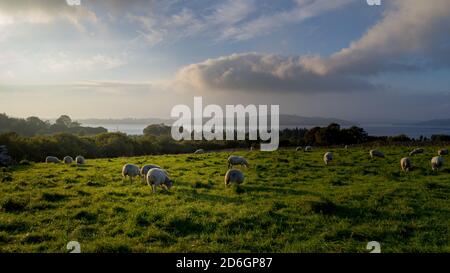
{"x": 289, "y": 202}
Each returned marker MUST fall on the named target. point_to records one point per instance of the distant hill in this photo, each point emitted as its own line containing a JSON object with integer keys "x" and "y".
{"x": 313, "y": 121}
{"x": 434, "y": 122}
{"x": 126, "y": 121}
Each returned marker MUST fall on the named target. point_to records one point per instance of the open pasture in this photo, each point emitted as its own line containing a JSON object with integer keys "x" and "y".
{"x": 290, "y": 202}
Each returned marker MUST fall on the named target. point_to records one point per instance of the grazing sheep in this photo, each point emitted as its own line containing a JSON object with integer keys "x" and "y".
{"x": 199, "y": 151}
{"x": 405, "y": 163}
{"x": 146, "y": 168}
{"x": 51, "y": 159}
{"x": 234, "y": 176}
{"x": 416, "y": 151}
{"x": 158, "y": 177}
{"x": 346, "y": 147}
{"x": 437, "y": 162}
{"x": 443, "y": 152}
{"x": 308, "y": 149}
{"x": 237, "y": 160}
{"x": 80, "y": 159}
{"x": 68, "y": 160}
{"x": 130, "y": 170}
{"x": 327, "y": 157}
{"x": 375, "y": 153}
{"x": 299, "y": 148}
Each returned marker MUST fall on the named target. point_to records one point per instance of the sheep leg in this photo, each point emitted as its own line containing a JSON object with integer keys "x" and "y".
{"x": 153, "y": 188}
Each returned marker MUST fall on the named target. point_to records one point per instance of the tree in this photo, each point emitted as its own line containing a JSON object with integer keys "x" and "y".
{"x": 64, "y": 120}
{"x": 157, "y": 130}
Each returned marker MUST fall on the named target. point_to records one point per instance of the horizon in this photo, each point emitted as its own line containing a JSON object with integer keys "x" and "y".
{"x": 357, "y": 121}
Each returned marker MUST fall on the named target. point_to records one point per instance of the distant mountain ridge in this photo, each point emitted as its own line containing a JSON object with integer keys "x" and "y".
{"x": 434, "y": 122}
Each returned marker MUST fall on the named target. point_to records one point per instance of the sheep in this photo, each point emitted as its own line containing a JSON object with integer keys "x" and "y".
{"x": 146, "y": 168}
{"x": 51, "y": 159}
{"x": 308, "y": 149}
{"x": 375, "y": 153}
{"x": 443, "y": 152}
{"x": 346, "y": 147}
{"x": 131, "y": 171}
{"x": 68, "y": 160}
{"x": 299, "y": 148}
{"x": 80, "y": 159}
{"x": 199, "y": 151}
{"x": 234, "y": 176}
{"x": 237, "y": 160}
{"x": 437, "y": 162}
{"x": 327, "y": 157}
{"x": 416, "y": 151}
{"x": 158, "y": 177}
{"x": 405, "y": 164}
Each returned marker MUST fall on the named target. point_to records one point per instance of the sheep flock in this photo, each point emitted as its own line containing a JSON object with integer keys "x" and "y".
{"x": 156, "y": 176}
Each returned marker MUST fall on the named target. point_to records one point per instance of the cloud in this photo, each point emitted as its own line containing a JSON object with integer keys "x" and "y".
{"x": 412, "y": 35}
{"x": 263, "y": 72}
{"x": 266, "y": 24}
{"x": 44, "y": 12}
{"x": 232, "y": 20}
{"x": 64, "y": 62}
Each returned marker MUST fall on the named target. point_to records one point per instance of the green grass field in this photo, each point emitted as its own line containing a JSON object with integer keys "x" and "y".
{"x": 290, "y": 202}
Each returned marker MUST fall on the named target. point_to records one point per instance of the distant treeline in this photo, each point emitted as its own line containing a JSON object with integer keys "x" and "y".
{"x": 157, "y": 140}
{"x": 33, "y": 126}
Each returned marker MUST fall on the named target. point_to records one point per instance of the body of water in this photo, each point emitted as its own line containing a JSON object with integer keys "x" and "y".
{"x": 371, "y": 129}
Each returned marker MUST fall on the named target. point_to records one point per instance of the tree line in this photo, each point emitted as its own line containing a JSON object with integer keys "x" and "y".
{"x": 33, "y": 126}
{"x": 157, "y": 140}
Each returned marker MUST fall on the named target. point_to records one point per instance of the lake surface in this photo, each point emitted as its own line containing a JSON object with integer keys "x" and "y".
{"x": 371, "y": 129}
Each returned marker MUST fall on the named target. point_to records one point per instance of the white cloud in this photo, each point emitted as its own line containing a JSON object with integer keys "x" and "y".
{"x": 263, "y": 72}
{"x": 265, "y": 24}
{"x": 229, "y": 21}
{"x": 43, "y": 12}
{"x": 411, "y": 35}
{"x": 64, "y": 62}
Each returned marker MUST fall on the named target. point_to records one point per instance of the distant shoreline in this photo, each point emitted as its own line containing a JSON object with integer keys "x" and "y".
{"x": 410, "y": 130}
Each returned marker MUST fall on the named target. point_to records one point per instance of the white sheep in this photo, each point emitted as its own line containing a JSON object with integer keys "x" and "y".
{"x": 443, "y": 152}
{"x": 308, "y": 149}
{"x": 346, "y": 147}
{"x": 327, "y": 157}
{"x": 146, "y": 168}
{"x": 80, "y": 159}
{"x": 437, "y": 162}
{"x": 158, "y": 177}
{"x": 237, "y": 160}
{"x": 130, "y": 170}
{"x": 375, "y": 153}
{"x": 299, "y": 148}
{"x": 51, "y": 159}
{"x": 199, "y": 151}
{"x": 234, "y": 176}
{"x": 416, "y": 151}
{"x": 68, "y": 160}
{"x": 405, "y": 164}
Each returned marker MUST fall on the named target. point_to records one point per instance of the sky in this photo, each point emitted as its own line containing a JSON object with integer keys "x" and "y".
{"x": 117, "y": 59}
